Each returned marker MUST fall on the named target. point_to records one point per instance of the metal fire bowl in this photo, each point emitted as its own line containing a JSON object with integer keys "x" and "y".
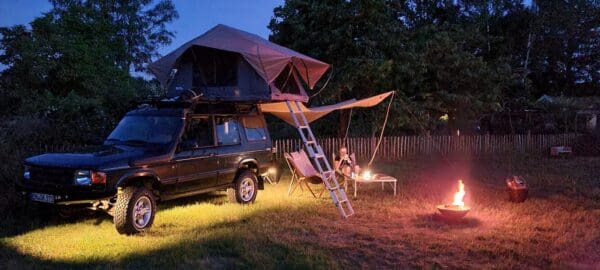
{"x": 452, "y": 212}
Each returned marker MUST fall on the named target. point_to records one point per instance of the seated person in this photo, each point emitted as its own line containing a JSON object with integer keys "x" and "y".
{"x": 344, "y": 163}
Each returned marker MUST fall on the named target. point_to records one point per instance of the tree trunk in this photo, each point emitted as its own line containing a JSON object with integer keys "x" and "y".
{"x": 526, "y": 64}
{"x": 451, "y": 123}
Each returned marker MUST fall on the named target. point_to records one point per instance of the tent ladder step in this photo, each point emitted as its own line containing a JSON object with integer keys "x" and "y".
{"x": 317, "y": 156}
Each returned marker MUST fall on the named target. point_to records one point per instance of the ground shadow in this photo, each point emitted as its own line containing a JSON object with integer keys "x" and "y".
{"x": 437, "y": 222}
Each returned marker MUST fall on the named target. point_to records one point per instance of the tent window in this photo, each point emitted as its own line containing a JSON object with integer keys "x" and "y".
{"x": 286, "y": 82}
{"x": 215, "y": 68}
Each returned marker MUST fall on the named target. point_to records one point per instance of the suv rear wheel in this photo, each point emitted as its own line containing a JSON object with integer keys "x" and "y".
{"x": 134, "y": 210}
{"x": 244, "y": 188}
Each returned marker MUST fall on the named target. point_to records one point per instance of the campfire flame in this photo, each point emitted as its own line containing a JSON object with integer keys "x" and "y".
{"x": 458, "y": 196}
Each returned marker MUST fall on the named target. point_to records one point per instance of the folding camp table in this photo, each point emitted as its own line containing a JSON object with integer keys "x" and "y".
{"x": 379, "y": 179}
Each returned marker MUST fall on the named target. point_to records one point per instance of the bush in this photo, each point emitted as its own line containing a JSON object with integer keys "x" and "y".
{"x": 588, "y": 145}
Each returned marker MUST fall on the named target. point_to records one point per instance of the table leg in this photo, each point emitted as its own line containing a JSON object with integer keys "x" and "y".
{"x": 382, "y": 183}
{"x": 395, "y": 187}
{"x": 354, "y": 189}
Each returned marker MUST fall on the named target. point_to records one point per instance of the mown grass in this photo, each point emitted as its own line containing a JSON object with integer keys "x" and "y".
{"x": 558, "y": 227}
{"x": 201, "y": 231}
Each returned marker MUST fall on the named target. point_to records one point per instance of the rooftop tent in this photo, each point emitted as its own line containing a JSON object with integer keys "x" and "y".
{"x": 229, "y": 64}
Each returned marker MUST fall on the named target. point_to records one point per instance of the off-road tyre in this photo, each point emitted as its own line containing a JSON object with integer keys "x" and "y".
{"x": 125, "y": 209}
{"x": 238, "y": 192}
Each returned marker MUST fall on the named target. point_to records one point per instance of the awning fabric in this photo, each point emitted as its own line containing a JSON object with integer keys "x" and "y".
{"x": 267, "y": 58}
{"x": 281, "y": 110}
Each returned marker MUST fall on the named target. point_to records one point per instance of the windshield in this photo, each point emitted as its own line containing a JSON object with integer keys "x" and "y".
{"x": 146, "y": 129}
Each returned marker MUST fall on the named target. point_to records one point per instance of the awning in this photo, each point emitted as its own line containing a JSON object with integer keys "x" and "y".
{"x": 281, "y": 110}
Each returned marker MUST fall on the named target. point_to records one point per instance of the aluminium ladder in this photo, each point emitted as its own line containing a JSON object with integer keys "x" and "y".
{"x": 315, "y": 152}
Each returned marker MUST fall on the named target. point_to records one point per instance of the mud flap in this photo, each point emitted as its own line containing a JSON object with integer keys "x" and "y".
{"x": 261, "y": 182}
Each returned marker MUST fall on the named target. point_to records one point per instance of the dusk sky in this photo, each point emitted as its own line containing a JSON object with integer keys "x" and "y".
{"x": 195, "y": 16}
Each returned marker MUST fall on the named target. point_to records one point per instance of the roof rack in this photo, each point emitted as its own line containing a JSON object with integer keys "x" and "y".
{"x": 192, "y": 100}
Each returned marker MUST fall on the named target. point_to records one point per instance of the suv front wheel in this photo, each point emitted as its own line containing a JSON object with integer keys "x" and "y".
{"x": 134, "y": 210}
{"x": 244, "y": 188}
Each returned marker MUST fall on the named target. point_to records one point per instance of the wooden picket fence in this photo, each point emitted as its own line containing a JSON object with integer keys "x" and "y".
{"x": 408, "y": 147}
{"x": 411, "y": 147}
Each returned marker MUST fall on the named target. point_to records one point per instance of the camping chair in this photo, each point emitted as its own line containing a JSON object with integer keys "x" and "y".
{"x": 303, "y": 172}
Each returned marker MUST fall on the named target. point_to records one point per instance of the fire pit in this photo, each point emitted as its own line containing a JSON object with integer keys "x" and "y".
{"x": 452, "y": 212}
{"x": 457, "y": 209}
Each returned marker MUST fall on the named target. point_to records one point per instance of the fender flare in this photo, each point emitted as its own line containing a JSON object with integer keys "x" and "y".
{"x": 246, "y": 161}
{"x": 254, "y": 162}
{"x": 124, "y": 179}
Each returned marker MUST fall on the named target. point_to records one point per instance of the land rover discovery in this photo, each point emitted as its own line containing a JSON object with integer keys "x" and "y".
{"x": 158, "y": 152}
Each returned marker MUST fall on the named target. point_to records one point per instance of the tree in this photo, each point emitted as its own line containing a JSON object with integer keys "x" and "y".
{"x": 347, "y": 34}
{"x": 137, "y": 25}
{"x": 71, "y": 67}
{"x": 458, "y": 84}
{"x": 433, "y": 52}
{"x": 566, "y": 51}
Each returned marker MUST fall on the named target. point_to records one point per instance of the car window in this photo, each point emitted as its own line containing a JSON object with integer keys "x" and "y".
{"x": 198, "y": 133}
{"x": 146, "y": 129}
{"x": 227, "y": 130}
{"x": 255, "y": 129}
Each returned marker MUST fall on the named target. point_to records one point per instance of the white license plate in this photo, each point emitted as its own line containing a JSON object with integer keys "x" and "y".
{"x": 39, "y": 197}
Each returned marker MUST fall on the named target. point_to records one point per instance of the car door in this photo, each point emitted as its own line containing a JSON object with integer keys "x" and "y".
{"x": 229, "y": 147}
{"x": 258, "y": 142}
{"x": 196, "y": 159}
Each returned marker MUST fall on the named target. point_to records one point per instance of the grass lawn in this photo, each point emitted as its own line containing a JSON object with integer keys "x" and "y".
{"x": 558, "y": 227}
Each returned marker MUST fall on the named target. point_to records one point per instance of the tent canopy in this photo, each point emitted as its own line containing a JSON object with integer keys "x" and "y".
{"x": 268, "y": 60}
{"x": 281, "y": 110}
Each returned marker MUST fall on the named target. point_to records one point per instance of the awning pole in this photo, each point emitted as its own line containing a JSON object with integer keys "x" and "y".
{"x": 387, "y": 114}
{"x": 348, "y": 127}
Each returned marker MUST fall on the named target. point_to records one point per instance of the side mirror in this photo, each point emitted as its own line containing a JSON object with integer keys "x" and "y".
{"x": 188, "y": 144}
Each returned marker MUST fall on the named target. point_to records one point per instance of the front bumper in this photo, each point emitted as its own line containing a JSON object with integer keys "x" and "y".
{"x": 65, "y": 196}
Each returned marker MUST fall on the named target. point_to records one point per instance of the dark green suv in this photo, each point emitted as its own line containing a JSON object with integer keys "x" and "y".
{"x": 158, "y": 152}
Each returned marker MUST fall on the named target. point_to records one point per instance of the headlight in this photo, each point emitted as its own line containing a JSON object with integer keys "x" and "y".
{"x": 83, "y": 177}
{"x": 26, "y": 173}
{"x": 87, "y": 177}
